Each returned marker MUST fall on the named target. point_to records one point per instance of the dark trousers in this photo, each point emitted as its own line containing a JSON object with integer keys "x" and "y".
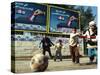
{"x": 74, "y": 51}
{"x": 58, "y": 55}
{"x": 92, "y": 52}
{"x": 48, "y": 50}
{"x": 91, "y": 58}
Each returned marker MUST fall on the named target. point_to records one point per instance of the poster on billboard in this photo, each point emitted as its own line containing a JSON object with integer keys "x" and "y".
{"x": 63, "y": 20}
{"x": 29, "y": 16}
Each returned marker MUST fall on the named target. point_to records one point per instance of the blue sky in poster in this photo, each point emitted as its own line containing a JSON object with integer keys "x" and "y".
{"x": 24, "y": 11}
{"x": 60, "y": 17}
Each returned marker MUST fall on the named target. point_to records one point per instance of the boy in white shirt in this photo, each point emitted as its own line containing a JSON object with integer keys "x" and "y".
{"x": 73, "y": 45}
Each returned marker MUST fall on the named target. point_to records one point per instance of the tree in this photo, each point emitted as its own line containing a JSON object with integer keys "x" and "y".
{"x": 89, "y": 16}
{"x": 86, "y": 16}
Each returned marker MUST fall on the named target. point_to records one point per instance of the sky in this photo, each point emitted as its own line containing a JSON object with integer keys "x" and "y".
{"x": 94, "y": 11}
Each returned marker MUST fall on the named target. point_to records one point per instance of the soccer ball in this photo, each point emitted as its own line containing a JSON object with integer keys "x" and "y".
{"x": 39, "y": 63}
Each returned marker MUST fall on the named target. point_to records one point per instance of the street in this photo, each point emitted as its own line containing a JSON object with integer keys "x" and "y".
{"x": 23, "y": 66}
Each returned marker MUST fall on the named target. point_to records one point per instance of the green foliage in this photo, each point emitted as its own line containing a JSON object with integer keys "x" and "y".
{"x": 85, "y": 16}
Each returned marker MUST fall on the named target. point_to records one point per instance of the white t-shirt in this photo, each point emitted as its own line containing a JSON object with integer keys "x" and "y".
{"x": 73, "y": 39}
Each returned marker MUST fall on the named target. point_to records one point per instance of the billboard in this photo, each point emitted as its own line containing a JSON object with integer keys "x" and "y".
{"x": 63, "y": 20}
{"x": 29, "y": 16}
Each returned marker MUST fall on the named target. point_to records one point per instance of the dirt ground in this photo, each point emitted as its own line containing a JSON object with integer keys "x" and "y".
{"x": 23, "y": 66}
